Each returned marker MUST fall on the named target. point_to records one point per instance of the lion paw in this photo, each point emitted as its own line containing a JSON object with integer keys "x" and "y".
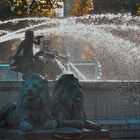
{"x": 50, "y": 124}
{"x": 25, "y": 125}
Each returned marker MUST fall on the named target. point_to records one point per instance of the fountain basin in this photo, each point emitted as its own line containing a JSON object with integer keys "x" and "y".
{"x": 113, "y": 104}
{"x": 103, "y": 99}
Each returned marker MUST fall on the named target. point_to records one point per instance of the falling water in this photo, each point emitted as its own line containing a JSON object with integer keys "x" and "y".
{"x": 75, "y": 71}
{"x": 114, "y": 39}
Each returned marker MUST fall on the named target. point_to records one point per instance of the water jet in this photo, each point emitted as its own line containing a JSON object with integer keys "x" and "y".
{"x": 112, "y": 100}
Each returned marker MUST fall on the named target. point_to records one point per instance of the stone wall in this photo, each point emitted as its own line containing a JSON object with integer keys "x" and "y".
{"x": 9, "y": 92}
{"x": 103, "y": 100}
{"x": 113, "y": 104}
{"x": 112, "y": 100}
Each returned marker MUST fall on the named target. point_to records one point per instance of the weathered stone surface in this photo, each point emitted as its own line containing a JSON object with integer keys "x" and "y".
{"x": 32, "y": 108}
{"x": 7, "y": 134}
{"x": 103, "y": 100}
{"x": 62, "y": 112}
{"x": 122, "y": 129}
{"x": 67, "y": 99}
{"x": 115, "y": 101}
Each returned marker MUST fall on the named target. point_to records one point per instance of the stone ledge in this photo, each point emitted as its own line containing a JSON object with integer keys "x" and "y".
{"x": 17, "y": 134}
{"x": 96, "y": 85}
{"x": 120, "y": 124}
{"x": 122, "y": 129}
{"x": 119, "y": 121}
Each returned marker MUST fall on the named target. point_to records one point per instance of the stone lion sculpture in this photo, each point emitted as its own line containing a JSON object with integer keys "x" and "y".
{"x": 32, "y": 109}
{"x": 67, "y": 99}
{"x": 35, "y": 109}
{"x": 67, "y": 104}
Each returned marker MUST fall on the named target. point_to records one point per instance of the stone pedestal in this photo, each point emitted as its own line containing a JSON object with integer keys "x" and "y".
{"x": 16, "y": 134}
{"x": 115, "y": 105}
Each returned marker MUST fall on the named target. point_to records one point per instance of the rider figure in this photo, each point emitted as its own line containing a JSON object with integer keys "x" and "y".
{"x": 24, "y": 56}
{"x": 27, "y": 44}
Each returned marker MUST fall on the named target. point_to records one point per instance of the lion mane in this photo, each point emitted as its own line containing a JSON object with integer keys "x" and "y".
{"x": 33, "y": 104}
{"x": 67, "y": 99}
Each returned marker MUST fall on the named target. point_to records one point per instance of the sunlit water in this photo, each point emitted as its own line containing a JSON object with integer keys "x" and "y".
{"x": 75, "y": 71}
{"x": 115, "y": 40}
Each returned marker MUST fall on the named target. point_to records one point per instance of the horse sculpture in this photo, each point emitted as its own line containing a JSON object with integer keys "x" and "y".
{"x": 45, "y": 64}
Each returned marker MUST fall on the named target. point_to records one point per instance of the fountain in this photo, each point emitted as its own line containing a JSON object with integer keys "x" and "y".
{"x": 109, "y": 46}
{"x": 117, "y": 53}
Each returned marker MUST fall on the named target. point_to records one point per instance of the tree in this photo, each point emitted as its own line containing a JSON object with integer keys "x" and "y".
{"x": 24, "y": 8}
{"x": 36, "y": 7}
{"x": 81, "y": 7}
{"x": 5, "y": 9}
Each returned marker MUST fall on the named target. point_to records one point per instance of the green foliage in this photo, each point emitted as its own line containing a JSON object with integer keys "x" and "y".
{"x": 81, "y": 7}
{"x": 36, "y": 7}
{"x": 24, "y": 8}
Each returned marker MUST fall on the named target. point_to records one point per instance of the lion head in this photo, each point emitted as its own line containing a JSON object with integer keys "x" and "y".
{"x": 67, "y": 99}
{"x": 33, "y": 104}
{"x": 34, "y": 92}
